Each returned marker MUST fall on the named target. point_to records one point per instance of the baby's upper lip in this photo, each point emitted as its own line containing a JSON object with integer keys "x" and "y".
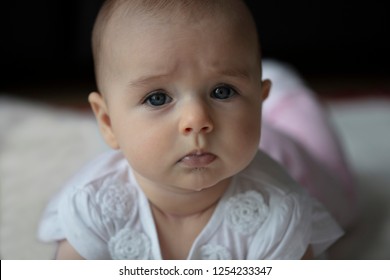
{"x": 197, "y": 152}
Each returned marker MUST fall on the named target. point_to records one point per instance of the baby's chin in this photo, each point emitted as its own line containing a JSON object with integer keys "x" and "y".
{"x": 203, "y": 185}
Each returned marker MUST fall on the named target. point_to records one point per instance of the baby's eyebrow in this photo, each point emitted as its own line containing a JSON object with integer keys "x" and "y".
{"x": 234, "y": 73}
{"x": 145, "y": 80}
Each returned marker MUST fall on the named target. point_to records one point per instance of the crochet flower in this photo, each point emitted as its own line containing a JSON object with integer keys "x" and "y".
{"x": 214, "y": 252}
{"x": 128, "y": 244}
{"x": 246, "y": 212}
{"x": 114, "y": 200}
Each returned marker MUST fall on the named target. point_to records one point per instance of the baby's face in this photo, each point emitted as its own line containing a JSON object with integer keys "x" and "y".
{"x": 184, "y": 101}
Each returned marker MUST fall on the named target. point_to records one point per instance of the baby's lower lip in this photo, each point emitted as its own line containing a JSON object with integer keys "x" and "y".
{"x": 198, "y": 160}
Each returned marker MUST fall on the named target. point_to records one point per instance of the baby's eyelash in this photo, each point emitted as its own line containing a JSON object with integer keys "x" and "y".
{"x": 223, "y": 92}
{"x": 156, "y": 99}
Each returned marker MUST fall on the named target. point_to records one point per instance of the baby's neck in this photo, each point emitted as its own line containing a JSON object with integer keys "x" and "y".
{"x": 180, "y": 217}
{"x": 178, "y": 205}
{"x": 177, "y": 234}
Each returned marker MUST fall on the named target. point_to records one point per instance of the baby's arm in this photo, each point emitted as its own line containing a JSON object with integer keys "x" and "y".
{"x": 308, "y": 254}
{"x": 65, "y": 251}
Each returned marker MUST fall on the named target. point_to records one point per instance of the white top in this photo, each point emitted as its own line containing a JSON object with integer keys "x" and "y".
{"x": 264, "y": 214}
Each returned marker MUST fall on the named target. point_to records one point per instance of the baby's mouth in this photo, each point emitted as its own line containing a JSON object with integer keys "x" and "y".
{"x": 198, "y": 159}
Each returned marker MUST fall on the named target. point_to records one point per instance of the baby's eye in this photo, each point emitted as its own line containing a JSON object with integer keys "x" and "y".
{"x": 223, "y": 92}
{"x": 157, "y": 99}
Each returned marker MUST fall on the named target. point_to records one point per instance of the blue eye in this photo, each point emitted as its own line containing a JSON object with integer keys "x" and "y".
{"x": 158, "y": 99}
{"x": 223, "y": 92}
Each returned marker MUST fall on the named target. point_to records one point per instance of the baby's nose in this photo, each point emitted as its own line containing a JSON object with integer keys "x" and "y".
{"x": 195, "y": 118}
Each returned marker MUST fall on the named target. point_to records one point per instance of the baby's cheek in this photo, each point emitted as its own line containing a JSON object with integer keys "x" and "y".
{"x": 250, "y": 130}
{"x": 145, "y": 148}
{"x": 246, "y": 135}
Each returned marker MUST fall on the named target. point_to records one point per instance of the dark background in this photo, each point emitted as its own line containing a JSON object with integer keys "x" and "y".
{"x": 46, "y": 44}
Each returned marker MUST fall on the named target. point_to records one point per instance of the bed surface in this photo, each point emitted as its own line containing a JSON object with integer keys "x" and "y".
{"x": 42, "y": 145}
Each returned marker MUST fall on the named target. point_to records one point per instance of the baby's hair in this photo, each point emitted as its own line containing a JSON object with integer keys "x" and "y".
{"x": 161, "y": 9}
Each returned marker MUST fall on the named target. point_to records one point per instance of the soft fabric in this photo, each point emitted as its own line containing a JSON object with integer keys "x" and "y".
{"x": 264, "y": 214}
{"x": 297, "y": 133}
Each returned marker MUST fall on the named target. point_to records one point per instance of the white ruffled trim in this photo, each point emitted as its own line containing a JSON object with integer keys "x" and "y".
{"x": 214, "y": 252}
{"x": 115, "y": 200}
{"x": 246, "y": 212}
{"x": 128, "y": 244}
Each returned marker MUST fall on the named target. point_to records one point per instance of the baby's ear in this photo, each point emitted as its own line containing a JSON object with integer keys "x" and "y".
{"x": 99, "y": 108}
{"x": 265, "y": 89}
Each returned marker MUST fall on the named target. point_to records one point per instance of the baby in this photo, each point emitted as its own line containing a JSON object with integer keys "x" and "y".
{"x": 179, "y": 101}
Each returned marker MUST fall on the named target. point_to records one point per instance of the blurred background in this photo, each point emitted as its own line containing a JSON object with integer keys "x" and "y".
{"x": 340, "y": 48}
{"x": 336, "y": 45}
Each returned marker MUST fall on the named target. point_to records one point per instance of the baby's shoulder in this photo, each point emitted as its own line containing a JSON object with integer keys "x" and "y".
{"x": 103, "y": 189}
{"x": 108, "y": 164}
{"x": 268, "y": 177}
{"x": 266, "y": 183}
{"x": 275, "y": 207}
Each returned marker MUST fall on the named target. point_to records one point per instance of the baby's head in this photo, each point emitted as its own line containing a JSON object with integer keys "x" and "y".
{"x": 118, "y": 16}
{"x": 180, "y": 88}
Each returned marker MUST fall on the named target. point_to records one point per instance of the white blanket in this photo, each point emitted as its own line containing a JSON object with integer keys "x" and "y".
{"x": 41, "y": 146}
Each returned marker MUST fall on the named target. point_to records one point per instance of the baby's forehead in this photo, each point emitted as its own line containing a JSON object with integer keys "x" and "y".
{"x": 120, "y": 21}
{"x": 171, "y": 11}
{"x": 123, "y": 17}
